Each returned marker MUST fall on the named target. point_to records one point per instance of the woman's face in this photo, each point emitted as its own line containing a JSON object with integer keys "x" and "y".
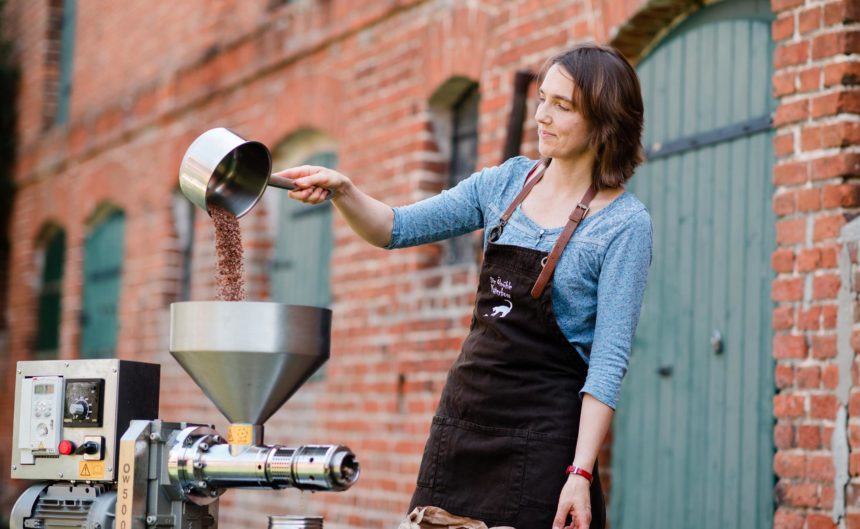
{"x": 562, "y": 130}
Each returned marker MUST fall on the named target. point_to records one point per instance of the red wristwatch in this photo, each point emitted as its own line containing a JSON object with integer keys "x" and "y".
{"x": 573, "y": 469}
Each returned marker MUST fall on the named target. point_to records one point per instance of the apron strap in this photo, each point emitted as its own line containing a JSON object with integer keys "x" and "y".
{"x": 540, "y": 167}
{"x": 575, "y": 217}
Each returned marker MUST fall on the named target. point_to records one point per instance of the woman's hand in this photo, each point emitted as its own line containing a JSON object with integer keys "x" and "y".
{"x": 314, "y": 184}
{"x": 575, "y": 500}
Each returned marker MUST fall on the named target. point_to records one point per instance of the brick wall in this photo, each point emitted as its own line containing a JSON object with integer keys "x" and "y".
{"x": 149, "y": 77}
{"x": 816, "y": 80}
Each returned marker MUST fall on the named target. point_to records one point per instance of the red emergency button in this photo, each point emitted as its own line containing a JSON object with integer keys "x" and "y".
{"x": 66, "y": 447}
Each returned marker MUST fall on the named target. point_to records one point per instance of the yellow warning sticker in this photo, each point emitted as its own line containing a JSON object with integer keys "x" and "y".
{"x": 240, "y": 434}
{"x": 91, "y": 470}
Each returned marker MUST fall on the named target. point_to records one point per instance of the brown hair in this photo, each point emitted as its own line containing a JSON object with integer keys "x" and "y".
{"x": 608, "y": 96}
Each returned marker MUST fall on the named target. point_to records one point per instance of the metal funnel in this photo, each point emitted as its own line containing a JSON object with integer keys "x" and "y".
{"x": 249, "y": 357}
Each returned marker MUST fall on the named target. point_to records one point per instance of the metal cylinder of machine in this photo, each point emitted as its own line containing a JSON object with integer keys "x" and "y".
{"x": 295, "y": 522}
{"x": 203, "y": 465}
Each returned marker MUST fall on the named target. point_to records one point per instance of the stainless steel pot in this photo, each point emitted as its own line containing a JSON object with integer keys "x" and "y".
{"x": 222, "y": 168}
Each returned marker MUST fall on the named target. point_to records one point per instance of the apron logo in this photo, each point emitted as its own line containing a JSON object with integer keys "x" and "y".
{"x": 502, "y": 288}
{"x": 501, "y": 311}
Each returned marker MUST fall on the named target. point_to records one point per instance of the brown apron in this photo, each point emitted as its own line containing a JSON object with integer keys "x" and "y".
{"x": 508, "y": 419}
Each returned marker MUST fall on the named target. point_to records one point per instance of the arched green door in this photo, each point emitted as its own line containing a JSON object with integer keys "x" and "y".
{"x": 301, "y": 268}
{"x": 103, "y": 252}
{"x": 693, "y": 433}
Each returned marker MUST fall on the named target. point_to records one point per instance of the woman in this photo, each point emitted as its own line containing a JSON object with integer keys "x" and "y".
{"x": 529, "y": 400}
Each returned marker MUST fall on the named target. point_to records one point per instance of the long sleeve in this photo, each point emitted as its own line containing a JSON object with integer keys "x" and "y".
{"x": 451, "y": 213}
{"x": 620, "y": 290}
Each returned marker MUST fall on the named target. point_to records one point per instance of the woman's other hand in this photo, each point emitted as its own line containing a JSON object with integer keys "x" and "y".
{"x": 313, "y": 184}
{"x": 575, "y": 500}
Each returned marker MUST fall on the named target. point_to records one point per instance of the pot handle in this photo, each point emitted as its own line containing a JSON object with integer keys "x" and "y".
{"x": 288, "y": 183}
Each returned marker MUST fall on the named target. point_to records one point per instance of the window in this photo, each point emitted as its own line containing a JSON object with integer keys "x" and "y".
{"x": 103, "y": 253}
{"x": 184, "y": 216}
{"x": 58, "y": 61}
{"x": 455, "y": 115}
{"x": 52, "y": 256}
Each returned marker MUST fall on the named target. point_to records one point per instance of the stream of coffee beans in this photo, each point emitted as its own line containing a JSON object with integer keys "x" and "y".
{"x": 230, "y": 276}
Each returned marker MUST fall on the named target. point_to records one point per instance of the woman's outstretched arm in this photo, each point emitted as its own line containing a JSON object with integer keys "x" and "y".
{"x": 371, "y": 219}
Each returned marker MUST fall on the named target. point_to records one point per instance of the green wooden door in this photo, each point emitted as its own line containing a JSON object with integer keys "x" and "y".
{"x": 693, "y": 432}
{"x": 50, "y": 295}
{"x": 103, "y": 252}
{"x": 300, "y": 271}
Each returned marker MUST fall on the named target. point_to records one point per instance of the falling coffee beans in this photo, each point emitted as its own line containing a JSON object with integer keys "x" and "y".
{"x": 228, "y": 246}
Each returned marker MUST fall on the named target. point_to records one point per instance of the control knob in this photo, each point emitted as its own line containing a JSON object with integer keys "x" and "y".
{"x": 79, "y": 409}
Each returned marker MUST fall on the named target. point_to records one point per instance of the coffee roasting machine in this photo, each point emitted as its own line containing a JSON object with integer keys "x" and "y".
{"x": 87, "y": 432}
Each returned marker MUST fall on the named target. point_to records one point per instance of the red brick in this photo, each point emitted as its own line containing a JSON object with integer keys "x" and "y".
{"x": 842, "y": 73}
{"x": 819, "y": 521}
{"x": 783, "y": 436}
{"x": 786, "y": 519}
{"x": 789, "y": 464}
{"x": 809, "y": 19}
{"x": 782, "y": 260}
{"x": 784, "y": 83}
{"x": 809, "y": 199}
{"x": 831, "y": 135}
{"x": 787, "y": 405}
{"x": 823, "y": 406}
{"x": 785, "y": 203}
{"x": 790, "y": 54}
{"x": 783, "y": 27}
{"x": 807, "y": 377}
{"x": 823, "y": 347}
{"x": 783, "y": 5}
{"x": 829, "y": 105}
{"x": 830, "y": 376}
{"x": 791, "y": 231}
{"x": 789, "y": 346}
{"x": 854, "y": 464}
{"x": 825, "y": 286}
{"x": 841, "y": 12}
{"x": 827, "y": 227}
{"x": 852, "y": 520}
{"x": 837, "y": 165}
{"x": 841, "y": 195}
{"x": 787, "y": 289}
{"x": 784, "y": 376}
{"x": 835, "y": 43}
{"x": 829, "y": 256}
{"x": 854, "y": 403}
{"x": 809, "y": 319}
{"x": 808, "y": 437}
{"x": 783, "y": 144}
{"x": 808, "y": 259}
{"x": 819, "y": 467}
{"x": 783, "y": 318}
{"x": 829, "y": 313}
{"x": 809, "y": 79}
{"x": 787, "y": 113}
{"x": 798, "y": 494}
{"x": 825, "y": 496}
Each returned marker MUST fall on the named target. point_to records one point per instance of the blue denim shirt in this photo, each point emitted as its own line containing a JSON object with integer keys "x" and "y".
{"x": 599, "y": 282}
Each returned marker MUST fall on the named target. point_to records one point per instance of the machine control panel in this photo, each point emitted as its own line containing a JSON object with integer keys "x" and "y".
{"x": 70, "y": 414}
{"x": 83, "y": 403}
{"x": 41, "y": 429}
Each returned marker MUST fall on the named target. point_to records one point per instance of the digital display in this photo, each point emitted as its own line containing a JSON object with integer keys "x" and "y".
{"x": 43, "y": 389}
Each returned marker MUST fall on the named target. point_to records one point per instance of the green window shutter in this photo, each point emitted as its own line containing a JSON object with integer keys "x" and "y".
{"x": 67, "y": 52}
{"x": 301, "y": 268}
{"x": 103, "y": 253}
{"x": 48, "y": 333}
